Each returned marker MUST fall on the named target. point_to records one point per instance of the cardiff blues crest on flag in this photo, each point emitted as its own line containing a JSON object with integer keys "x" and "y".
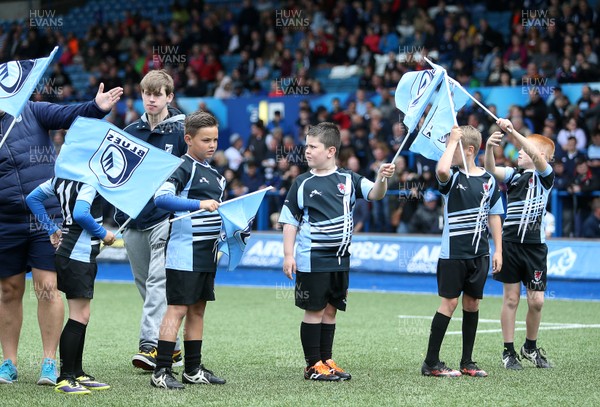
{"x": 18, "y": 80}
{"x": 431, "y": 139}
{"x": 123, "y": 169}
{"x": 414, "y": 92}
{"x": 116, "y": 159}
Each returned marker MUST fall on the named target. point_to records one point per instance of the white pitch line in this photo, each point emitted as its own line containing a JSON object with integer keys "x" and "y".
{"x": 542, "y": 328}
{"x": 546, "y": 326}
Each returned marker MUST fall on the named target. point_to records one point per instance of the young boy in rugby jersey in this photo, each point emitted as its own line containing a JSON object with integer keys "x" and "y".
{"x": 472, "y": 203}
{"x": 191, "y": 253}
{"x": 523, "y": 239}
{"x": 77, "y": 244}
{"x": 318, "y": 209}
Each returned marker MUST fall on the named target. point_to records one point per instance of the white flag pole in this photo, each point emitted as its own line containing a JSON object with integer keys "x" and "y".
{"x": 401, "y": 146}
{"x": 399, "y": 149}
{"x": 223, "y": 203}
{"x": 476, "y": 101}
{"x": 462, "y": 151}
{"x": 104, "y": 246}
{"x": 8, "y": 131}
{"x": 456, "y": 83}
{"x": 123, "y": 226}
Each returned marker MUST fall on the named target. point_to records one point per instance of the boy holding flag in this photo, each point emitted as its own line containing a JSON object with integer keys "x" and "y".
{"x": 525, "y": 251}
{"x": 319, "y": 209}
{"x": 191, "y": 254}
{"x": 472, "y": 203}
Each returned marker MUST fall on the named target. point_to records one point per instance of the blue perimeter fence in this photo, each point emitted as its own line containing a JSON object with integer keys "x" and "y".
{"x": 391, "y": 263}
{"x": 556, "y": 201}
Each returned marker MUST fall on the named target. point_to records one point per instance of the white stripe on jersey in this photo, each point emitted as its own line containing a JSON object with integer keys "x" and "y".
{"x": 348, "y": 218}
{"x": 205, "y": 237}
{"x": 484, "y": 208}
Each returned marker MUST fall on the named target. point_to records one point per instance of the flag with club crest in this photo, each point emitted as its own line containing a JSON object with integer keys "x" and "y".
{"x": 431, "y": 139}
{"x": 18, "y": 80}
{"x": 414, "y": 92}
{"x": 125, "y": 170}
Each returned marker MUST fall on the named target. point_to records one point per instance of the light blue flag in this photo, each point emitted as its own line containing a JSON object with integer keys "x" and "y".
{"x": 431, "y": 139}
{"x": 18, "y": 80}
{"x": 414, "y": 92}
{"x": 237, "y": 216}
{"x": 123, "y": 169}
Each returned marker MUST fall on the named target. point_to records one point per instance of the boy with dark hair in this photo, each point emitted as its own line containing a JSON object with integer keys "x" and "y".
{"x": 162, "y": 126}
{"x": 191, "y": 253}
{"x": 472, "y": 203}
{"x": 318, "y": 208}
{"x": 525, "y": 251}
{"x": 77, "y": 244}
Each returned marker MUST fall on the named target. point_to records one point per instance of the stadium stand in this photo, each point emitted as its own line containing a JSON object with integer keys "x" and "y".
{"x": 317, "y": 48}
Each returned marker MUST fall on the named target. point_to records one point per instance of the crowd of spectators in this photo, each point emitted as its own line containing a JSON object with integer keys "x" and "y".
{"x": 547, "y": 45}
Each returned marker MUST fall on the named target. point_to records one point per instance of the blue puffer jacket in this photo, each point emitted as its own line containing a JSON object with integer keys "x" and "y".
{"x": 168, "y": 136}
{"x": 27, "y": 156}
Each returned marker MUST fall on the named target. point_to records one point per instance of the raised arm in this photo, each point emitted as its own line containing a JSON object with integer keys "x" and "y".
{"x": 53, "y": 116}
{"x": 532, "y": 151}
{"x": 442, "y": 169}
{"x": 490, "y": 160}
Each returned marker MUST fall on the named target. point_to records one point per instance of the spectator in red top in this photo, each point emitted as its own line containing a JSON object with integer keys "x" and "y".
{"x": 209, "y": 70}
{"x": 286, "y": 63}
{"x": 339, "y": 116}
{"x": 197, "y": 58}
{"x": 372, "y": 40}
{"x": 515, "y": 56}
{"x": 320, "y": 49}
{"x": 276, "y": 89}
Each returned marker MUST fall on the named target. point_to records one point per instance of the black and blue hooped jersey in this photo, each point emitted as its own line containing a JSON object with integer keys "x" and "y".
{"x": 527, "y": 196}
{"x": 468, "y": 202}
{"x": 193, "y": 241}
{"x": 321, "y": 207}
{"x": 77, "y": 243}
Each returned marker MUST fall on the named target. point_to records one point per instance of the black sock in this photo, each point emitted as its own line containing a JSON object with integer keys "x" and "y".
{"x": 164, "y": 358}
{"x": 193, "y": 355}
{"x": 438, "y": 330}
{"x": 79, "y": 358}
{"x": 529, "y": 344}
{"x": 310, "y": 336}
{"x": 509, "y": 347}
{"x": 327, "y": 334}
{"x": 69, "y": 347}
{"x": 469, "y": 330}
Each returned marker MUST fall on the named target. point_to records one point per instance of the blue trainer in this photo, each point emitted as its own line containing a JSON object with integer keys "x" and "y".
{"x": 49, "y": 374}
{"x": 8, "y": 372}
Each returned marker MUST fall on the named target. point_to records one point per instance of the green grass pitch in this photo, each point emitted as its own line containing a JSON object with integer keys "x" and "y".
{"x": 252, "y": 339}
